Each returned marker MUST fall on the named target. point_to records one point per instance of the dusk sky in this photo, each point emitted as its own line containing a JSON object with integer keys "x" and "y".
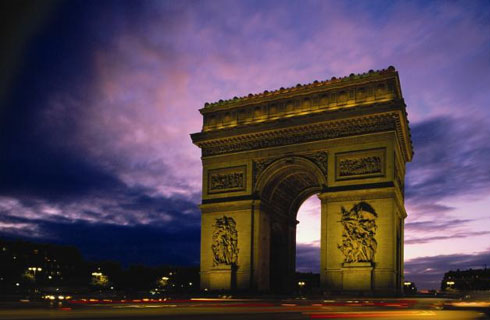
{"x": 98, "y": 98}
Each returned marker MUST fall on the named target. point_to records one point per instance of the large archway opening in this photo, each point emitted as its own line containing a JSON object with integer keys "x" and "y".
{"x": 283, "y": 187}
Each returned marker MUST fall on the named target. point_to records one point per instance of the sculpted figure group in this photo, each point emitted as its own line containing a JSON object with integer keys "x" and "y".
{"x": 358, "y": 242}
{"x": 225, "y": 242}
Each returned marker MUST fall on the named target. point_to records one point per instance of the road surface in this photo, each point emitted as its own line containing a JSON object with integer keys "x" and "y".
{"x": 204, "y": 309}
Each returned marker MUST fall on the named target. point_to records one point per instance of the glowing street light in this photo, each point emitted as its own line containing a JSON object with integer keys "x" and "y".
{"x": 450, "y": 284}
{"x": 163, "y": 281}
{"x": 99, "y": 279}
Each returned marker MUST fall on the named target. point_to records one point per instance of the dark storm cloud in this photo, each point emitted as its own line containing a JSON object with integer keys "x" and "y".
{"x": 51, "y": 184}
{"x": 36, "y": 169}
{"x": 131, "y": 244}
{"x": 427, "y": 272}
{"x": 128, "y": 207}
{"x": 43, "y": 159}
{"x": 145, "y": 244}
{"x": 131, "y": 227}
{"x": 56, "y": 57}
{"x": 452, "y": 157}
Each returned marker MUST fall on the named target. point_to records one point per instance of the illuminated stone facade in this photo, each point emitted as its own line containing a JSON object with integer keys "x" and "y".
{"x": 346, "y": 140}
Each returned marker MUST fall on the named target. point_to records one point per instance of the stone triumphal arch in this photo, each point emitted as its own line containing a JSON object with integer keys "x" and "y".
{"x": 346, "y": 140}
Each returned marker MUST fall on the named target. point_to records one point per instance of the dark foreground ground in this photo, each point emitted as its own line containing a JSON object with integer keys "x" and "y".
{"x": 203, "y": 309}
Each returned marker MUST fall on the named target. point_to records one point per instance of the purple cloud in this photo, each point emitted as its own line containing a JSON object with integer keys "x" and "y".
{"x": 458, "y": 235}
{"x": 452, "y": 157}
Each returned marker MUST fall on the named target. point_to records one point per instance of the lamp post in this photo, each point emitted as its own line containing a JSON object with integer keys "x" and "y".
{"x": 301, "y": 284}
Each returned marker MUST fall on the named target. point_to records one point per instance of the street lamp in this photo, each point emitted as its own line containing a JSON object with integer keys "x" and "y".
{"x": 301, "y": 284}
{"x": 450, "y": 284}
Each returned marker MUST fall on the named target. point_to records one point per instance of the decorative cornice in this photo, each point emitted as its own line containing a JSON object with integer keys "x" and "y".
{"x": 299, "y": 89}
{"x": 300, "y": 134}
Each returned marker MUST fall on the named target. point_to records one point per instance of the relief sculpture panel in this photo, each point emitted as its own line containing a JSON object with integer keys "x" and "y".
{"x": 225, "y": 242}
{"x": 359, "y": 228}
{"x": 227, "y": 179}
{"x": 362, "y": 164}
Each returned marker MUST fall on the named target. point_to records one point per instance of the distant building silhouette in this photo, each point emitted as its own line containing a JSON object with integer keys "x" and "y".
{"x": 466, "y": 280}
{"x": 28, "y": 268}
{"x": 25, "y": 264}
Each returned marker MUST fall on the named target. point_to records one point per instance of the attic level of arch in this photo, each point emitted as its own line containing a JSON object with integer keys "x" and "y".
{"x": 311, "y": 101}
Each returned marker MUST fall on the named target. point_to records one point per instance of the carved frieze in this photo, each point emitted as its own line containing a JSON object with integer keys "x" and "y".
{"x": 358, "y": 234}
{"x": 360, "y": 164}
{"x": 299, "y": 135}
{"x": 227, "y": 179}
{"x": 225, "y": 242}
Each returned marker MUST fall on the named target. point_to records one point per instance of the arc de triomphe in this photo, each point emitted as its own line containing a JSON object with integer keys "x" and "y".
{"x": 346, "y": 140}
